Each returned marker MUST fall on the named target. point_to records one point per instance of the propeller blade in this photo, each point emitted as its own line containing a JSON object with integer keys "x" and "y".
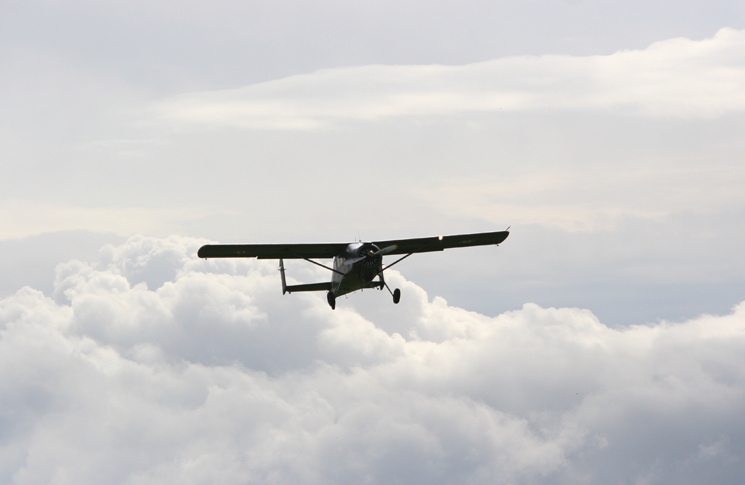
{"x": 352, "y": 261}
{"x": 371, "y": 254}
{"x": 381, "y": 252}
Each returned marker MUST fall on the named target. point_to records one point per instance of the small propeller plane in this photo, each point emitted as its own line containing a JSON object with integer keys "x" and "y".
{"x": 356, "y": 265}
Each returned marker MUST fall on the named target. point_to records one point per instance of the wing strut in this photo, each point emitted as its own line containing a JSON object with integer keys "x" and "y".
{"x": 323, "y": 266}
{"x": 396, "y": 261}
{"x": 401, "y": 259}
{"x": 316, "y": 263}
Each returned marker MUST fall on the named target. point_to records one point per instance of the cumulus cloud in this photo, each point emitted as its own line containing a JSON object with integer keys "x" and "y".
{"x": 151, "y": 366}
{"x": 676, "y": 77}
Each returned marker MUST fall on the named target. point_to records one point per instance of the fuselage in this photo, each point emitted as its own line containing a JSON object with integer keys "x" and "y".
{"x": 355, "y": 269}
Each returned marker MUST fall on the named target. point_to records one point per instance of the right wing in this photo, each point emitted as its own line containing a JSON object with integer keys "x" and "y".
{"x": 272, "y": 251}
{"x": 427, "y": 244}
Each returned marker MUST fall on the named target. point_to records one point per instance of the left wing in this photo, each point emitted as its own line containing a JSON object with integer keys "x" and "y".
{"x": 272, "y": 251}
{"x": 439, "y": 243}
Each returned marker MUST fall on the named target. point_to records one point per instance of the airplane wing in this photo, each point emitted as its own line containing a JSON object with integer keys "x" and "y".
{"x": 272, "y": 251}
{"x": 329, "y": 250}
{"x": 438, "y": 243}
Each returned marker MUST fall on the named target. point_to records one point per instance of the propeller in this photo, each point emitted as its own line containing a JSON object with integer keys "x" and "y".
{"x": 381, "y": 252}
{"x": 371, "y": 254}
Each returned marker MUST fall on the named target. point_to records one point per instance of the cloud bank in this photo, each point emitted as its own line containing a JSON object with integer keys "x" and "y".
{"x": 151, "y": 366}
{"x": 676, "y": 77}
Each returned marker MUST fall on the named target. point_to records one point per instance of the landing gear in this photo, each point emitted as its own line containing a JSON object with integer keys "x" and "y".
{"x": 396, "y": 294}
{"x": 331, "y": 299}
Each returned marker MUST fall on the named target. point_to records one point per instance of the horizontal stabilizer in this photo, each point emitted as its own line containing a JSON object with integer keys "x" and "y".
{"x": 309, "y": 287}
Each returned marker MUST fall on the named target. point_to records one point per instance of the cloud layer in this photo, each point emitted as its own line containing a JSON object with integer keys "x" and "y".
{"x": 676, "y": 77}
{"x": 151, "y": 366}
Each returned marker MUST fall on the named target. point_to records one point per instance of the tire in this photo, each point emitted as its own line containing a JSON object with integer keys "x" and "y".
{"x": 396, "y": 296}
{"x": 331, "y": 299}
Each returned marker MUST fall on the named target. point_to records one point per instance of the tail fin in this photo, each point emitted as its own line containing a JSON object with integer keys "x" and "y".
{"x": 282, "y": 272}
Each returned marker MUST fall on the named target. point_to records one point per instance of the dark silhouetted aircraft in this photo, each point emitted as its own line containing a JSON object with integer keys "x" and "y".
{"x": 356, "y": 265}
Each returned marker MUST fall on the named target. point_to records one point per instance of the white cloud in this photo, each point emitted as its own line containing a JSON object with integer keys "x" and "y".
{"x": 676, "y": 77}
{"x": 151, "y": 366}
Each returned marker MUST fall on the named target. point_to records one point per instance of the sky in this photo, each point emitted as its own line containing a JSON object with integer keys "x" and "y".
{"x": 601, "y": 342}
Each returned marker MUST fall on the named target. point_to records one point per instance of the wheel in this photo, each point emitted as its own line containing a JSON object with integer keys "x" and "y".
{"x": 331, "y": 299}
{"x": 396, "y": 296}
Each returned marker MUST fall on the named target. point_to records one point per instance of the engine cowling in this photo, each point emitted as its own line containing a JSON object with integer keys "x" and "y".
{"x": 366, "y": 251}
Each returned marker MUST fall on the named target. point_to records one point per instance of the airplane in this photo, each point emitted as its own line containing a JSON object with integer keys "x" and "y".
{"x": 356, "y": 265}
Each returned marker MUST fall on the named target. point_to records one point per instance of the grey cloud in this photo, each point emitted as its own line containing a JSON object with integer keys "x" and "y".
{"x": 674, "y": 267}
{"x": 215, "y": 376}
{"x": 187, "y": 46}
{"x": 706, "y": 76}
{"x": 31, "y": 261}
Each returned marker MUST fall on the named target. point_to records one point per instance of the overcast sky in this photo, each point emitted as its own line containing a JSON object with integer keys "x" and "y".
{"x": 602, "y": 342}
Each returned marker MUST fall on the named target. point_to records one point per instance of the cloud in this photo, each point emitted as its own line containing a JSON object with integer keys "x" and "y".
{"x": 32, "y": 261}
{"x": 22, "y": 218}
{"x": 676, "y": 77}
{"x": 151, "y": 366}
